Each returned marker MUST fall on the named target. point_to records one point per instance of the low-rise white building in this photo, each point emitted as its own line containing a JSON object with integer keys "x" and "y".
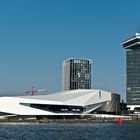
{"x": 60, "y": 103}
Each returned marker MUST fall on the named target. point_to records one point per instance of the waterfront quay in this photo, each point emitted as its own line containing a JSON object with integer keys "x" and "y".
{"x": 77, "y": 118}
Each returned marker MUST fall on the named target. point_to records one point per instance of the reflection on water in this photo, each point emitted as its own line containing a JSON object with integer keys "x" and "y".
{"x": 75, "y": 131}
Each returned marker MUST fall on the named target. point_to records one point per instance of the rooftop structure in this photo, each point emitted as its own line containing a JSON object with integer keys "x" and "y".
{"x": 132, "y": 43}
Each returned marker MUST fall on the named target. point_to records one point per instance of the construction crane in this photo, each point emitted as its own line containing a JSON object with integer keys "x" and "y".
{"x": 34, "y": 91}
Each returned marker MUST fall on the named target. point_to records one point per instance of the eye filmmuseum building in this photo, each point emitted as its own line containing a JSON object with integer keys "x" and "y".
{"x": 132, "y": 46}
{"x": 64, "y": 103}
{"x": 76, "y": 74}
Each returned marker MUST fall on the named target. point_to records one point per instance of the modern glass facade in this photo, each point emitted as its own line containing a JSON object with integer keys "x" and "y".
{"x": 133, "y": 76}
{"x": 76, "y": 74}
{"x": 132, "y": 47}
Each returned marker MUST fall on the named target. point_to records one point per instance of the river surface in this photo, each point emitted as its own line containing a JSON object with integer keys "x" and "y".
{"x": 73, "y": 131}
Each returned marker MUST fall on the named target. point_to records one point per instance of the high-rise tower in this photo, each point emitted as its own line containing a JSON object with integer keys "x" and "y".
{"x": 132, "y": 46}
{"x": 76, "y": 74}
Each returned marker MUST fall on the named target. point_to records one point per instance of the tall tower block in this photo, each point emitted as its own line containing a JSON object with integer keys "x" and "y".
{"x": 132, "y": 46}
{"x": 76, "y": 74}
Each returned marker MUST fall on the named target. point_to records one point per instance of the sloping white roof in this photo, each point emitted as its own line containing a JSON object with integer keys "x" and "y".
{"x": 15, "y": 105}
{"x": 79, "y": 97}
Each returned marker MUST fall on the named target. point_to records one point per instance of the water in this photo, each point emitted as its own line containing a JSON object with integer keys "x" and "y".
{"x": 75, "y": 131}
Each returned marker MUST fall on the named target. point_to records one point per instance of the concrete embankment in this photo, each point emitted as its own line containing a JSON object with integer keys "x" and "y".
{"x": 88, "y": 118}
{"x": 35, "y": 121}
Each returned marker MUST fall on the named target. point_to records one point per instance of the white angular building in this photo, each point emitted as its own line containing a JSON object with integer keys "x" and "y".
{"x": 60, "y": 103}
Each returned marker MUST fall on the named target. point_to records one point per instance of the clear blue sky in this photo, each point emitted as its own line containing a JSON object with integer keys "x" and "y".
{"x": 36, "y": 36}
